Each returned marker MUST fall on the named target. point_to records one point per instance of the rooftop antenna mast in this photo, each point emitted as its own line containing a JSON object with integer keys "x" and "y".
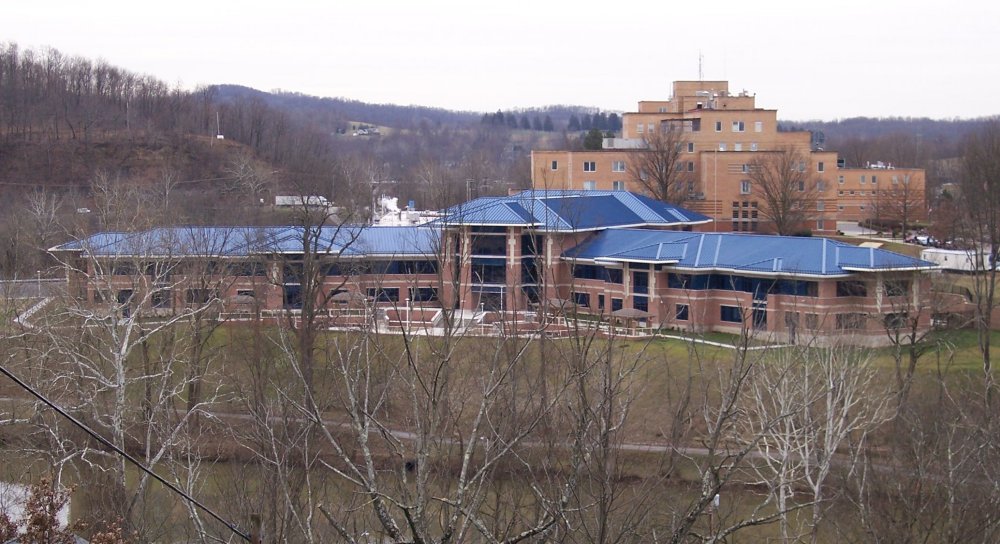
{"x": 701, "y": 76}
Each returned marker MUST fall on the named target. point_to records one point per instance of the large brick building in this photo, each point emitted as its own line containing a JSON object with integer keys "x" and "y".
{"x": 606, "y": 254}
{"x": 719, "y": 135}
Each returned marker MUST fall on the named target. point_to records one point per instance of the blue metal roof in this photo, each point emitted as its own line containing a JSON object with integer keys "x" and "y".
{"x": 741, "y": 252}
{"x": 570, "y": 211}
{"x": 346, "y": 241}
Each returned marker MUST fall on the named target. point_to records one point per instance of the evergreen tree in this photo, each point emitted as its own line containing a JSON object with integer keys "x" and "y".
{"x": 547, "y": 124}
{"x": 574, "y": 122}
{"x": 536, "y": 123}
{"x": 511, "y": 120}
{"x": 594, "y": 139}
{"x": 498, "y": 118}
{"x": 586, "y": 123}
{"x": 525, "y": 123}
{"x": 601, "y": 121}
{"x": 614, "y": 122}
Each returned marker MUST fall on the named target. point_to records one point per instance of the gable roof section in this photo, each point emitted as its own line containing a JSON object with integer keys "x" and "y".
{"x": 784, "y": 255}
{"x": 567, "y": 211}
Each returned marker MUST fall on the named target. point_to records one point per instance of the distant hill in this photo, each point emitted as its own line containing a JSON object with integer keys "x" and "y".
{"x": 869, "y": 128}
{"x": 336, "y": 111}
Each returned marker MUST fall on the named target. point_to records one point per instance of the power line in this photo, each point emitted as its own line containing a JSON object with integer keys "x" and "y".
{"x": 121, "y": 452}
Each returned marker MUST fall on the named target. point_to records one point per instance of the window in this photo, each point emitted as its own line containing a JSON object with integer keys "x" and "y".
{"x": 639, "y": 128}
{"x": 738, "y": 126}
{"x": 690, "y": 147}
{"x": 690, "y": 166}
{"x": 820, "y": 205}
{"x": 874, "y": 179}
{"x": 555, "y": 165}
{"x": 617, "y": 166}
{"x": 379, "y": 294}
{"x": 758, "y": 126}
{"x": 423, "y": 294}
{"x": 753, "y": 146}
{"x": 722, "y": 146}
{"x": 812, "y": 321}
{"x": 681, "y": 312}
{"x": 160, "y": 298}
{"x": 897, "y": 288}
{"x": 895, "y": 180}
{"x": 589, "y": 166}
{"x": 820, "y": 185}
{"x": 862, "y": 180}
{"x": 820, "y": 167}
{"x": 616, "y": 304}
{"x": 852, "y": 288}
{"x": 618, "y": 185}
{"x": 730, "y": 314}
{"x": 840, "y": 208}
{"x": 589, "y": 185}
{"x": 649, "y": 128}
{"x": 820, "y": 225}
{"x": 200, "y": 296}
{"x": 802, "y": 186}
{"x": 614, "y": 275}
{"x": 840, "y": 180}
{"x": 737, "y": 147}
{"x": 600, "y": 302}
{"x": 896, "y": 320}
{"x": 850, "y": 321}
{"x": 745, "y": 168}
{"x": 640, "y": 303}
{"x": 581, "y": 299}
{"x": 745, "y": 187}
{"x": 718, "y": 126}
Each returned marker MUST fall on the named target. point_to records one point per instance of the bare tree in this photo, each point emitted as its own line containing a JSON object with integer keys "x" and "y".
{"x": 787, "y": 190}
{"x": 659, "y": 168}
{"x": 902, "y": 203}
{"x": 819, "y": 399}
{"x": 981, "y": 200}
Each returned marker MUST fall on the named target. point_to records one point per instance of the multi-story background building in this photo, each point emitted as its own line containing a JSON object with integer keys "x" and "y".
{"x": 717, "y": 153}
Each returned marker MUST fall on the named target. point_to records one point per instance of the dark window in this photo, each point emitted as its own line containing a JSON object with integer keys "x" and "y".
{"x": 200, "y": 296}
{"x": 812, "y": 321}
{"x": 489, "y": 271}
{"x": 616, "y": 304}
{"x": 292, "y": 297}
{"x": 897, "y": 288}
{"x": 379, "y": 294}
{"x": 730, "y": 314}
{"x": 581, "y": 299}
{"x": 897, "y": 320}
{"x": 852, "y": 288}
{"x": 160, "y": 298}
{"x": 600, "y": 302}
{"x": 640, "y": 303}
{"x": 681, "y": 312}
{"x": 423, "y": 294}
{"x": 850, "y": 321}
{"x": 489, "y": 245}
{"x": 614, "y": 275}
{"x": 640, "y": 282}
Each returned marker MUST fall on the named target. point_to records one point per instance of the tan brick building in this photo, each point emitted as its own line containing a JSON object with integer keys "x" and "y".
{"x": 722, "y": 135}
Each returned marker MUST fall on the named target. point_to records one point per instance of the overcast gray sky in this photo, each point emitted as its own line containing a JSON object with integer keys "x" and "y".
{"x": 809, "y": 60}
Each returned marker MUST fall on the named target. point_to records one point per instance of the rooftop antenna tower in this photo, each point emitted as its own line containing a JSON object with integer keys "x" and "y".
{"x": 701, "y": 76}
{"x": 218, "y": 128}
